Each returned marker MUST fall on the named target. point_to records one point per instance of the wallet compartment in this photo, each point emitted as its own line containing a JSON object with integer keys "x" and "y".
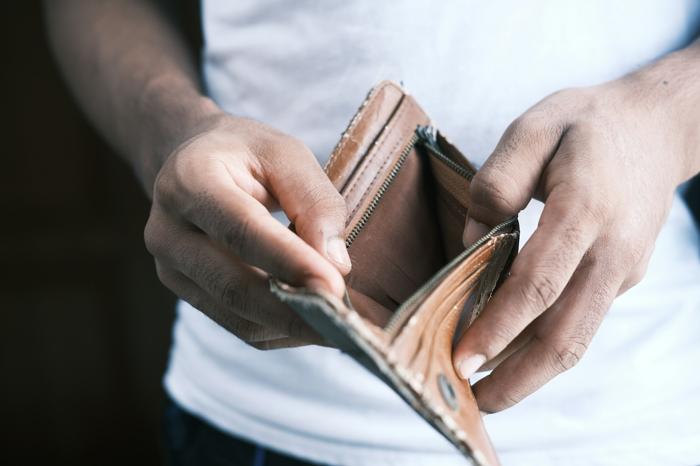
{"x": 405, "y": 222}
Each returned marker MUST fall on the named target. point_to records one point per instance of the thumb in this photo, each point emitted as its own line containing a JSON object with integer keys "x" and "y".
{"x": 312, "y": 203}
{"x": 509, "y": 178}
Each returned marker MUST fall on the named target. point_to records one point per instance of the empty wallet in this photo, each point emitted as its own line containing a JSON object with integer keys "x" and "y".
{"x": 414, "y": 287}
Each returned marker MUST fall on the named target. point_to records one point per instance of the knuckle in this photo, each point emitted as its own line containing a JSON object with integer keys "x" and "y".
{"x": 504, "y": 399}
{"x": 535, "y": 127}
{"x": 151, "y": 238}
{"x": 539, "y": 292}
{"x": 324, "y": 198}
{"x": 296, "y": 145}
{"x": 630, "y": 253}
{"x": 231, "y": 295}
{"x": 523, "y": 128}
{"x": 636, "y": 276}
{"x": 163, "y": 189}
{"x": 282, "y": 147}
{"x": 575, "y": 237}
{"x": 320, "y": 201}
{"x": 174, "y": 180}
{"x": 237, "y": 234}
{"x": 566, "y": 354}
{"x": 236, "y": 295}
{"x": 240, "y": 297}
{"x": 591, "y": 104}
{"x": 563, "y": 354}
{"x": 185, "y": 166}
{"x": 636, "y": 253}
{"x": 564, "y": 94}
{"x": 488, "y": 189}
{"x": 590, "y": 208}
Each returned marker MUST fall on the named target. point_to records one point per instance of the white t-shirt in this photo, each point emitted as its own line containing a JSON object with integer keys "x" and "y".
{"x": 303, "y": 67}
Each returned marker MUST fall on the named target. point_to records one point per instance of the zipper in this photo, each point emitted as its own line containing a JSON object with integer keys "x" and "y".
{"x": 360, "y": 225}
{"x": 405, "y": 310}
{"x": 427, "y": 136}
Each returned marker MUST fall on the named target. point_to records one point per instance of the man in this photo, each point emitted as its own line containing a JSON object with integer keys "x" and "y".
{"x": 605, "y": 155}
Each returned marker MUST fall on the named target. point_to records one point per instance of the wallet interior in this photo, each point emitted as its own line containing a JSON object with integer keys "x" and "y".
{"x": 410, "y": 228}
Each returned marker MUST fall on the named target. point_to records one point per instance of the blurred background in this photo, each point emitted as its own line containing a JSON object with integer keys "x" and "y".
{"x": 85, "y": 324}
{"x": 85, "y": 328}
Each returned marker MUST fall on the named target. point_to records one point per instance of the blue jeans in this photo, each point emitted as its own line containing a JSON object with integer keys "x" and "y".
{"x": 191, "y": 441}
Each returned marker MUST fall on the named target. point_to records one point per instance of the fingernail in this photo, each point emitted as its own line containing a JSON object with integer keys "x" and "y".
{"x": 473, "y": 231}
{"x": 337, "y": 252}
{"x": 468, "y": 366}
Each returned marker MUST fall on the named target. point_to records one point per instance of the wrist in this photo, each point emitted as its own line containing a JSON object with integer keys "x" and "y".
{"x": 174, "y": 114}
{"x": 668, "y": 94}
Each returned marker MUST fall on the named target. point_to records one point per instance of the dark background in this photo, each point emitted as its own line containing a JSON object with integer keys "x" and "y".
{"x": 85, "y": 324}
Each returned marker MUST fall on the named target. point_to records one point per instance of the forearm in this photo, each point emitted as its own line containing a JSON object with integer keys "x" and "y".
{"x": 132, "y": 74}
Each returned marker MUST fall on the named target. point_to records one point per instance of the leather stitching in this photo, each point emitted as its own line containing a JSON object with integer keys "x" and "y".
{"x": 377, "y": 150}
{"x": 362, "y": 112}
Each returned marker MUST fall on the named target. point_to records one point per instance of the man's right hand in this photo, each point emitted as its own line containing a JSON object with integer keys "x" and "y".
{"x": 215, "y": 241}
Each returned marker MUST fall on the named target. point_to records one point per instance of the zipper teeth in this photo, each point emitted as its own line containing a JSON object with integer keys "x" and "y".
{"x": 359, "y": 226}
{"x": 428, "y": 135}
{"x": 406, "y": 309}
{"x": 464, "y": 172}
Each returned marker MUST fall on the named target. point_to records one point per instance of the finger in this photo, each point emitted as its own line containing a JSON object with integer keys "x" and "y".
{"x": 189, "y": 291}
{"x": 561, "y": 336}
{"x": 245, "y": 227}
{"x": 236, "y": 287}
{"x": 520, "y": 341}
{"x": 310, "y": 200}
{"x": 538, "y": 276}
{"x": 509, "y": 178}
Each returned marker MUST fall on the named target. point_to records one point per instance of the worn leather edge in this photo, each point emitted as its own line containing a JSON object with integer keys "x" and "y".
{"x": 496, "y": 271}
{"x": 372, "y": 356}
{"x": 365, "y": 127}
{"x": 381, "y": 158}
{"x": 367, "y": 344}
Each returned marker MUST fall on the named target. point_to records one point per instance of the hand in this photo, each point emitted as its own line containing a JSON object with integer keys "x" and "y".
{"x": 605, "y": 161}
{"x": 215, "y": 241}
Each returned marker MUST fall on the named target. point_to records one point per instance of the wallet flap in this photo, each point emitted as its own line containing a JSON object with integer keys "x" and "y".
{"x": 364, "y": 128}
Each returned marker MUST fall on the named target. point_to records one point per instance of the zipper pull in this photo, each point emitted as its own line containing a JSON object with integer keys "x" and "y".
{"x": 428, "y": 136}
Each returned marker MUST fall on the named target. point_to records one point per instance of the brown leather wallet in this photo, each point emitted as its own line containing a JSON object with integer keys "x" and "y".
{"x": 414, "y": 287}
